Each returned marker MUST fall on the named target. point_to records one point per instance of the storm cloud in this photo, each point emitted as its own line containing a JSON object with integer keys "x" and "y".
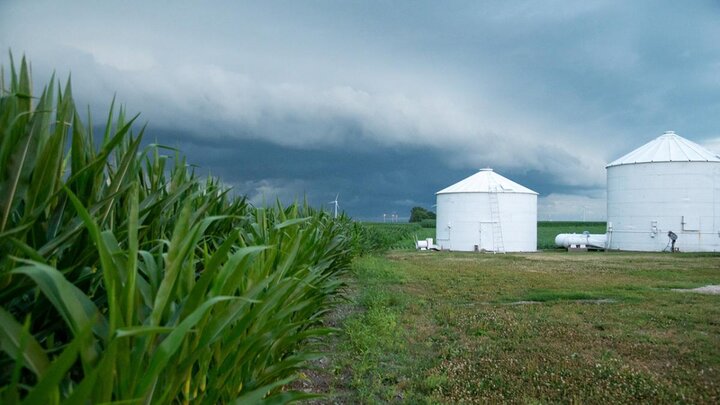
{"x": 388, "y": 102}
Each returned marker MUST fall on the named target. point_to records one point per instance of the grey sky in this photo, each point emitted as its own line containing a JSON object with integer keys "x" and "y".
{"x": 387, "y": 102}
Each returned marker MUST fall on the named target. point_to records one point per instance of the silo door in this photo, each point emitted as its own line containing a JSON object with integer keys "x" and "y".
{"x": 486, "y": 237}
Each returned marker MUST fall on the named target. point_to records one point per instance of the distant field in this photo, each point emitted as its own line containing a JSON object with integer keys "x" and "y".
{"x": 547, "y": 327}
{"x": 403, "y": 235}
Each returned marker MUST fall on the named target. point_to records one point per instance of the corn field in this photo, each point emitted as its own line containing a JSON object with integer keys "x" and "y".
{"x": 125, "y": 277}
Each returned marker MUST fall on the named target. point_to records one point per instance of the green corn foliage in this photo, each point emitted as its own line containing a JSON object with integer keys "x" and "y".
{"x": 126, "y": 278}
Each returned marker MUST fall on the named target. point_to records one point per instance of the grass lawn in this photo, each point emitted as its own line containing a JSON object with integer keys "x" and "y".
{"x": 438, "y": 327}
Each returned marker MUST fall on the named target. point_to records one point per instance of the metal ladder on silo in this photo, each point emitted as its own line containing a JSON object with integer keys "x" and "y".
{"x": 498, "y": 244}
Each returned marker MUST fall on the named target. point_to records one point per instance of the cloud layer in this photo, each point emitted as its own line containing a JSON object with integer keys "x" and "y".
{"x": 545, "y": 92}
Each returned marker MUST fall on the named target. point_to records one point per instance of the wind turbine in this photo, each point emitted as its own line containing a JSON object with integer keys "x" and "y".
{"x": 335, "y": 201}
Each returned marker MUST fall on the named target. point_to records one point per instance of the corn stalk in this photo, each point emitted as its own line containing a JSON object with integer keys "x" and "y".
{"x": 127, "y": 278}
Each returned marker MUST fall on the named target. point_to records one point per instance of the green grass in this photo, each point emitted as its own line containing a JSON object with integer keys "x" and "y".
{"x": 529, "y": 328}
{"x": 372, "y": 337}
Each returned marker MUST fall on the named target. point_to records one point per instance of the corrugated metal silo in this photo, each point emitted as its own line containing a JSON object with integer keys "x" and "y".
{"x": 487, "y": 212}
{"x": 667, "y": 185}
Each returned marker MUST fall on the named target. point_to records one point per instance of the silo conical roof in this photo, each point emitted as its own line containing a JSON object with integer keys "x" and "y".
{"x": 484, "y": 181}
{"x": 668, "y": 147}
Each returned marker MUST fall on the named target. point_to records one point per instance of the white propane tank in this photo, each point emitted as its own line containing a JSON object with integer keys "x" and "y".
{"x": 590, "y": 240}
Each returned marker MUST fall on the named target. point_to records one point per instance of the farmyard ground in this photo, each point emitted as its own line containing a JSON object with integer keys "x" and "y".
{"x": 526, "y": 328}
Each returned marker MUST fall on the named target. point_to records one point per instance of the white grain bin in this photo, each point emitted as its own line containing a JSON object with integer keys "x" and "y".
{"x": 487, "y": 212}
{"x": 668, "y": 185}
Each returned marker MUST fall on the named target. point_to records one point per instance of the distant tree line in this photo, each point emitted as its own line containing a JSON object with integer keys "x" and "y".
{"x": 419, "y": 214}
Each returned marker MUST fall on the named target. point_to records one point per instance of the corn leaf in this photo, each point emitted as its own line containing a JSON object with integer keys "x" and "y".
{"x": 11, "y": 337}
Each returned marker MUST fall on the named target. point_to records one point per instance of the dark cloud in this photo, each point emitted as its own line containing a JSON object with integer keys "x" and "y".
{"x": 371, "y": 181}
{"x": 388, "y": 102}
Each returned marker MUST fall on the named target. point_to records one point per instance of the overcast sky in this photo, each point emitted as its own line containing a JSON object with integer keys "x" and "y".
{"x": 387, "y": 102}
